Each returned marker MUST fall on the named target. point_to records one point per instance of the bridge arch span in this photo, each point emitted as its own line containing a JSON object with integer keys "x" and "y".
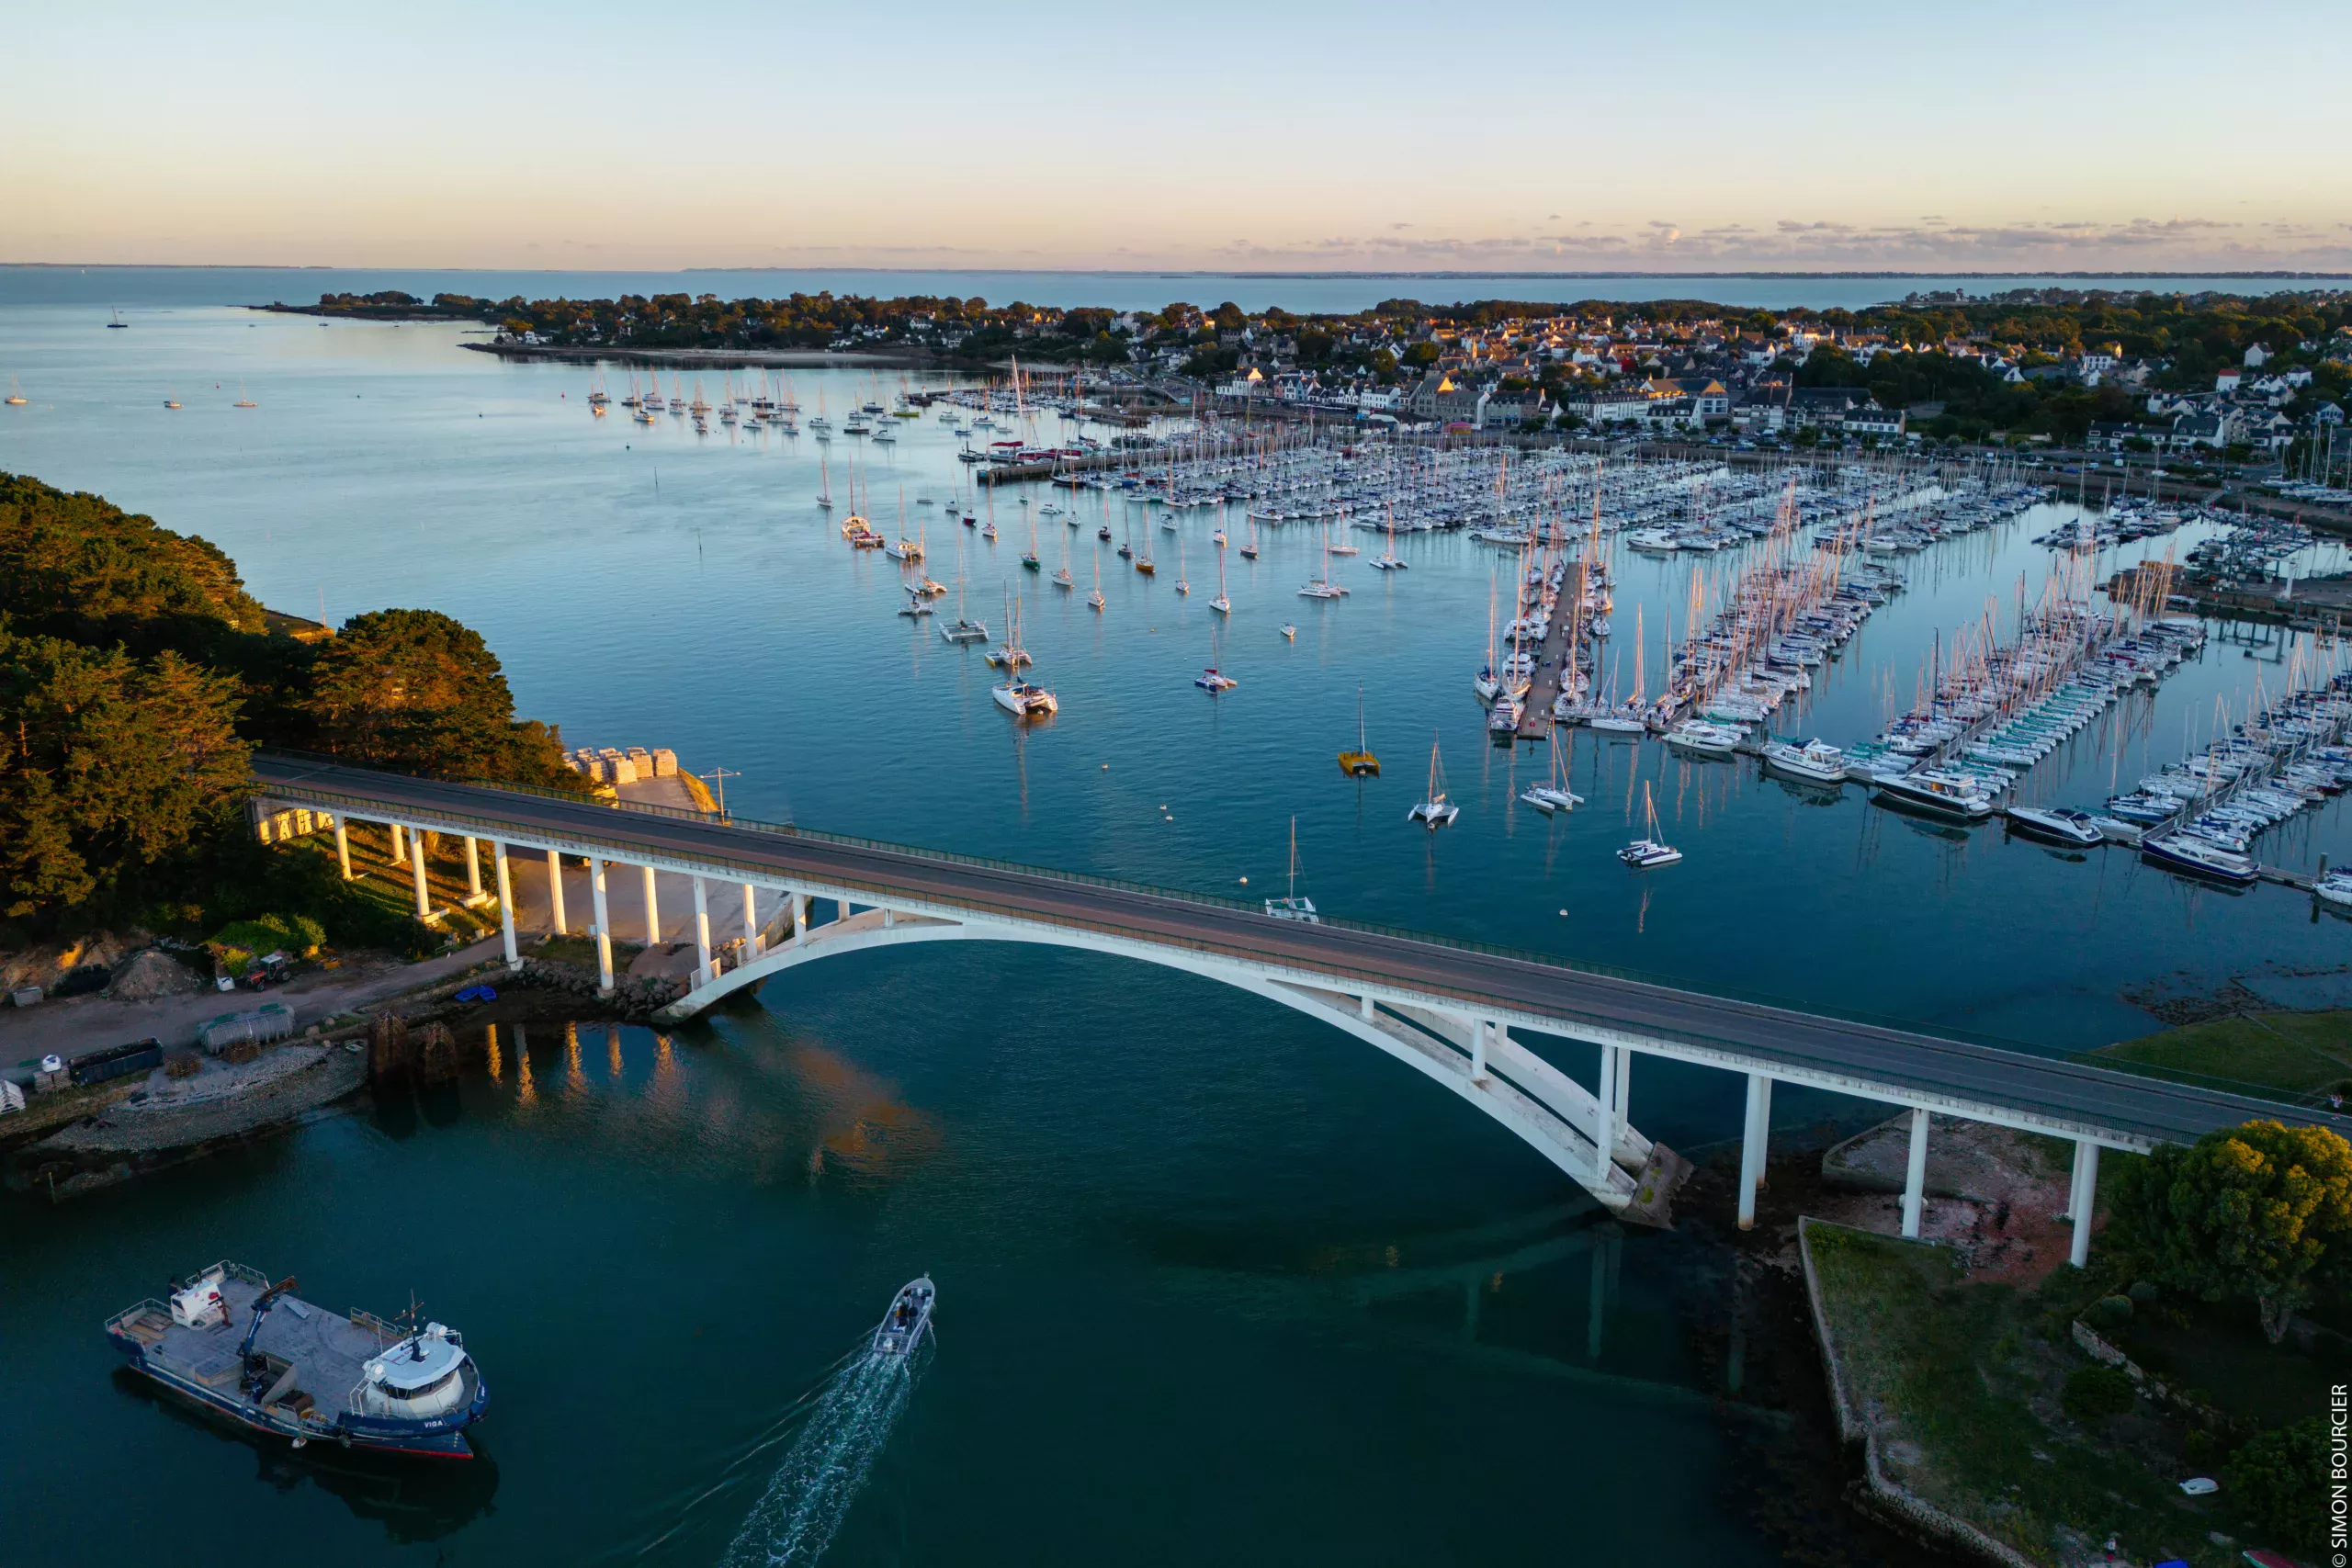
{"x": 1535, "y": 1101}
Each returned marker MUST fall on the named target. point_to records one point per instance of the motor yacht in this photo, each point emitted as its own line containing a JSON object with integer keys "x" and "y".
{"x": 1816, "y": 761}
{"x": 2079, "y": 828}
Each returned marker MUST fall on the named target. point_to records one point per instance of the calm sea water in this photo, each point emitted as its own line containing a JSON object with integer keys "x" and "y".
{"x": 134, "y": 287}
{"x": 1215, "y": 1285}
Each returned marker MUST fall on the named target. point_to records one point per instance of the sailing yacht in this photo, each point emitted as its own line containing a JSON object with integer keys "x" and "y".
{"x": 1360, "y": 762}
{"x": 1645, "y": 853}
{"x": 242, "y": 402}
{"x": 1293, "y": 906}
{"x": 1094, "y": 600}
{"x": 1221, "y": 604}
{"x": 1022, "y": 699}
{"x": 1434, "y": 811}
{"x": 1553, "y": 793}
{"x": 1183, "y": 584}
{"x": 964, "y": 629}
{"x": 170, "y": 401}
{"x": 16, "y": 398}
{"x": 1323, "y": 587}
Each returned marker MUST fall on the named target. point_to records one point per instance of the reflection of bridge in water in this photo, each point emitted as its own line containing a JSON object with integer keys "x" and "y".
{"x": 1445, "y": 1009}
{"x": 1477, "y": 1264}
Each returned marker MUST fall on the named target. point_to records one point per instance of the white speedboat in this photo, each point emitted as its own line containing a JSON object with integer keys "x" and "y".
{"x": 2065, "y": 827}
{"x": 2335, "y": 888}
{"x": 909, "y": 1319}
{"x": 1941, "y": 794}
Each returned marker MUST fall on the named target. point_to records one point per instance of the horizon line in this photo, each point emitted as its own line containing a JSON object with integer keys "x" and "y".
{"x": 1443, "y": 275}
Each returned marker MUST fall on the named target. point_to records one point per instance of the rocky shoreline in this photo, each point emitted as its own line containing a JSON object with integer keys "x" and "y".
{"x": 141, "y": 1126}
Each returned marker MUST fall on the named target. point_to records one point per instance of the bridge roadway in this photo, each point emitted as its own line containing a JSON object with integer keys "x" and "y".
{"x": 1903, "y": 1067}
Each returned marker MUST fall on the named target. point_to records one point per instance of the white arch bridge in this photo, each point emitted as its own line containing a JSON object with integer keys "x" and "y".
{"x": 1448, "y": 1009}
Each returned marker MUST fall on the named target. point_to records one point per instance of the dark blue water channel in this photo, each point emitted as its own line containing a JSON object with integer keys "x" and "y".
{"x": 1214, "y": 1283}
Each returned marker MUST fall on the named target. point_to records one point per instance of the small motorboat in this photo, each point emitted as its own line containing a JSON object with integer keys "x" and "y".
{"x": 2335, "y": 888}
{"x": 909, "y": 1319}
{"x": 1290, "y": 633}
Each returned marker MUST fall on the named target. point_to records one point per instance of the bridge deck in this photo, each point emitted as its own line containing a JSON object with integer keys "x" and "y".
{"x": 1892, "y": 1062}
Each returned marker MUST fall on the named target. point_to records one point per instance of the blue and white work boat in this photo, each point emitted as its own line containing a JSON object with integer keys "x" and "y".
{"x": 236, "y": 1345}
{"x": 907, "y": 1320}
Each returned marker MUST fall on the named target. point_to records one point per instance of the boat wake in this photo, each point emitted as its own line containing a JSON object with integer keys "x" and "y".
{"x": 849, "y": 1423}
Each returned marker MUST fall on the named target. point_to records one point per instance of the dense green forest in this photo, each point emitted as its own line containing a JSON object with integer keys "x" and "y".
{"x": 137, "y": 676}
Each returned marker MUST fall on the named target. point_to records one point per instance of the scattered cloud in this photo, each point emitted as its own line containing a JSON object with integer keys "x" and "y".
{"x": 1932, "y": 243}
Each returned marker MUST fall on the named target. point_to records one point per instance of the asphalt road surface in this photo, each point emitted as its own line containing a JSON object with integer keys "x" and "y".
{"x": 1897, "y": 1062}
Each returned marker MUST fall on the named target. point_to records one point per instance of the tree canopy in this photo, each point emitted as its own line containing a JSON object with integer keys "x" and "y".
{"x": 110, "y": 765}
{"x": 2260, "y": 1213}
{"x": 136, "y": 677}
{"x": 417, "y": 692}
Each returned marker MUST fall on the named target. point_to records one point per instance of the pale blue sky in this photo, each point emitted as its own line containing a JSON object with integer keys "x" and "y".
{"x": 2005, "y": 136}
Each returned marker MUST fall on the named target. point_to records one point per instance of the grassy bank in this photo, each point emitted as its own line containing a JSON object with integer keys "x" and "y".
{"x": 1964, "y": 1387}
{"x": 2301, "y": 1056}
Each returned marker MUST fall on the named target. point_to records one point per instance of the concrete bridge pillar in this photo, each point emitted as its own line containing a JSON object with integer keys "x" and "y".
{"x": 801, "y": 903}
{"x": 1605, "y": 1101}
{"x": 555, "y": 893}
{"x": 652, "y": 911}
{"x": 1752, "y": 1146}
{"x": 343, "y": 847}
{"x": 1364, "y": 1007}
{"x": 604, "y": 928}
{"x": 416, "y": 867}
{"x": 400, "y": 853}
{"x": 2084, "y": 1203}
{"x": 841, "y": 908}
{"x": 705, "y": 973}
{"x": 505, "y": 900}
{"x": 1915, "y": 1182}
{"x": 473, "y": 871}
{"x": 751, "y": 922}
